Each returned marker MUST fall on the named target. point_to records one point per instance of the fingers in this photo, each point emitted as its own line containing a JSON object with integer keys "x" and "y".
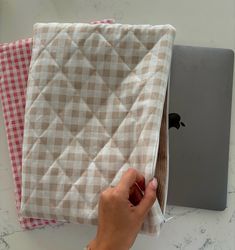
{"x": 129, "y": 178}
{"x": 148, "y": 199}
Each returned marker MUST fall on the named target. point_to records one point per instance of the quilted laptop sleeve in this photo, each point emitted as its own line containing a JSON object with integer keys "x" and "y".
{"x": 94, "y": 108}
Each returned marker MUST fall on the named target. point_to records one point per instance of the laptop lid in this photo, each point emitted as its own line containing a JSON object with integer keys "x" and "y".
{"x": 199, "y": 121}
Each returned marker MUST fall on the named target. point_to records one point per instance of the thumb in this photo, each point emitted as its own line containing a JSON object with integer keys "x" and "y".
{"x": 149, "y": 198}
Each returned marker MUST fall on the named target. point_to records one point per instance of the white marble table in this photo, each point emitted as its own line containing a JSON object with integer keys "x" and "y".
{"x": 205, "y": 23}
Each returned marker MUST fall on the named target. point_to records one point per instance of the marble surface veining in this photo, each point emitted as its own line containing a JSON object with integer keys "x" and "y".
{"x": 204, "y": 23}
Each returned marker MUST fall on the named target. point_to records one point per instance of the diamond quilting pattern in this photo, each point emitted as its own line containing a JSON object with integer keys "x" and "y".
{"x": 90, "y": 137}
{"x": 77, "y": 69}
{"x": 100, "y": 89}
{"x": 130, "y": 88}
{"x": 131, "y": 50}
{"x": 62, "y": 48}
{"x": 101, "y": 56}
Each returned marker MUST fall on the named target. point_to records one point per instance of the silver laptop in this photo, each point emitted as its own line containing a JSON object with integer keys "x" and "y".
{"x": 199, "y": 126}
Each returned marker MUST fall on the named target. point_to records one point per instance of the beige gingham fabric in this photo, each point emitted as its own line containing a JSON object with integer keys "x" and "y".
{"x": 94, "y": 108}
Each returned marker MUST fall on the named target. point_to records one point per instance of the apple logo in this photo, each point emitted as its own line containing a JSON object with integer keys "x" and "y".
{"x": 174, "y": 121}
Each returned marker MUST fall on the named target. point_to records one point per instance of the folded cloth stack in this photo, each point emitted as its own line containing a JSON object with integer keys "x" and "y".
{"x": 94, "y": 107}
{"x": 14, "y": 66}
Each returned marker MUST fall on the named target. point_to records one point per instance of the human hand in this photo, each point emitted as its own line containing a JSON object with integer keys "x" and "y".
{"x": 122, "y": 210}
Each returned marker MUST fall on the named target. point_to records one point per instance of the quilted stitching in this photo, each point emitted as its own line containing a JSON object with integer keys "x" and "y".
{"x": 95, "y": 99}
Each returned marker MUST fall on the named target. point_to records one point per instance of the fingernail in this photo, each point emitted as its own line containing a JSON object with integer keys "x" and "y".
{"x": 154, "y": 183}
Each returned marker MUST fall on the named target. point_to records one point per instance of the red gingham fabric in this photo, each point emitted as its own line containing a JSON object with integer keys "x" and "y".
{"x": 14, "y": 64}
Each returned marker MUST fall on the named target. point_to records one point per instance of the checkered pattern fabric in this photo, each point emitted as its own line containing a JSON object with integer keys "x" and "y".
{"x": 14, "y": 64}
{"x": 94, "y": 108}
